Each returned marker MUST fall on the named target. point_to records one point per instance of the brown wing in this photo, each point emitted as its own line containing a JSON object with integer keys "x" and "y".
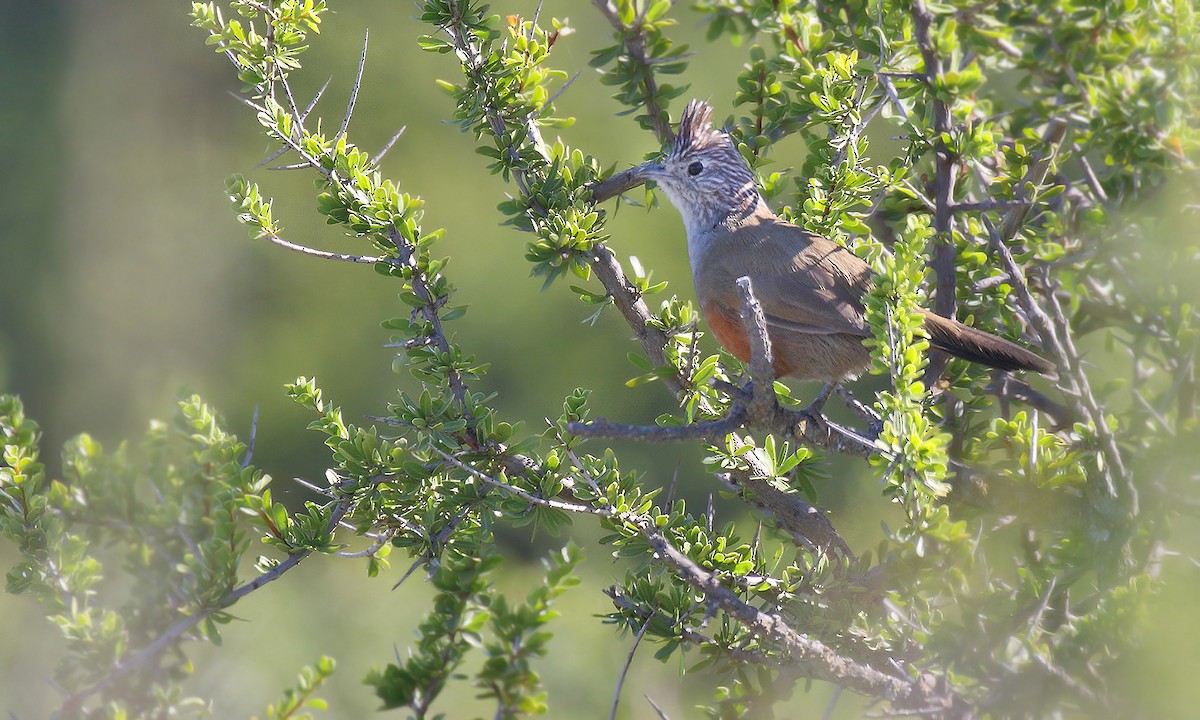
{"x": 805, "y": 283}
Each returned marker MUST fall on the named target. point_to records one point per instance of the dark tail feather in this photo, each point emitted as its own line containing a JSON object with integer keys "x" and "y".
{"x": 980, "y": 347}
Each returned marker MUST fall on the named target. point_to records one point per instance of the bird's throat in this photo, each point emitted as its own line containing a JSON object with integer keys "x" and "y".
{"x": 705, "y": 229}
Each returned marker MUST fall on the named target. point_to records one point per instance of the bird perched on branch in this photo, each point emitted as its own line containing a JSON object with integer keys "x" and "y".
{"x": 811, "y": 289}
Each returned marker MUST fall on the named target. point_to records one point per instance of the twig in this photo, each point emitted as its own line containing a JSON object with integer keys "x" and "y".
{"x": 250, "y": 442}
{"x": 813, "y": 657}
{"x": 989, "y": 205}
{"x": 1090, "y": 175}
{"x": 514, "y": 490}
{"x": 1052, "y": 138}
{"x": 688, "y": 635}
{"x": 820, "y": 661}
{"x": 991, "y": 282}
{"x": 763, "y": 405}
{"x": 833, "y": 701}
{"x": 382, "y": 540}
{"x": 662, "y": 715}
{"x": 312, "y": 252}
{"x": 637, "y": 640}
{"x": 558, "y": 93}
{"x": 885, "y": 81}
{"x": 629, "y": 302}
{"x": 1005, "y": 386}
{"x": 860, "y": 409}
{"x": 301, "y": 116}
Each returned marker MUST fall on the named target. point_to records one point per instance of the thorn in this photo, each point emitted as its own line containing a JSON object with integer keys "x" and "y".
{"x": 662, "y": 715}
{"x": 362, "y": 62}
{"x": 561, "y": 90}
{"x": 314, "y": 488}
{"x": 533, "y": 25}
{"x": 272, "y": 157}
{"x": 313, "y": 103}
{"x": 388, "y": 145}
{"x": 671, "y": 489}
{"x": 287, "y": 89}
{"x": 253, "y": 435}
{"x": 297, "y": 166}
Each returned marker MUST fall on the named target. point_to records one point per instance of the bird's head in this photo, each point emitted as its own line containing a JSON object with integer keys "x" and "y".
{"x": 704, "y": 176}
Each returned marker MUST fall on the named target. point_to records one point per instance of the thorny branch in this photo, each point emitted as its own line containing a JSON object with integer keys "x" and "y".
{"x": 813, "y": 657}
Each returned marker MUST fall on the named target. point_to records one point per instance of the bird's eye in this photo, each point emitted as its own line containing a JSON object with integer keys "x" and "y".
{"x": 695, "y": 168}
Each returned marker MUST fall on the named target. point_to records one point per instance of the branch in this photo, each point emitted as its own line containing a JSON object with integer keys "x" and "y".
{"x": 362, "y": 62}
{"x": 1053, "y": 328}
{"x": 816, "y": 659}
{"x": 1052, "y": 138}
{"x": 633, "y": 37}
{"x": 763, "y": 406}
{"x": 743, "y": 657}
{"x": 945, "y": 169}
{"x": 518, "y": 492}
{"x": 633, "y": 308}
{"x": 714, "y": 430}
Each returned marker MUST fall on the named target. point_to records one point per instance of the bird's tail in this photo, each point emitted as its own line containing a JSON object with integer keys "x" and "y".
{"x": 978, "y": 346}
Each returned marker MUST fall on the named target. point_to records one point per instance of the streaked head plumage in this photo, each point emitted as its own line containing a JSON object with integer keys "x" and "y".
{"x": 696, "y": 131}
{"x": 704, "y": 176}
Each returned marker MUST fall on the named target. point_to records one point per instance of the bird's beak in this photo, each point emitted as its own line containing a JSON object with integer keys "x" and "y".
{"x": 649, "y": 170}
{"x": 627, "y": 180}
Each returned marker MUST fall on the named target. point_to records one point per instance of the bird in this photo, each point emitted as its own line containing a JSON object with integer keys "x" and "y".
{"x": 811, "y": 289}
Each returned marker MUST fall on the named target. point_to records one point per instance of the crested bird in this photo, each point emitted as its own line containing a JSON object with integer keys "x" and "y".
{"x": 810, "y": 288}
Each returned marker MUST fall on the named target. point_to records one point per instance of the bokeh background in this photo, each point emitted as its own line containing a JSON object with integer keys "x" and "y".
{"x": 125, "y": 282}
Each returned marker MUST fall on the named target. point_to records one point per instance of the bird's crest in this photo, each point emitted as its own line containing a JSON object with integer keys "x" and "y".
{"x": 696, "y": 132}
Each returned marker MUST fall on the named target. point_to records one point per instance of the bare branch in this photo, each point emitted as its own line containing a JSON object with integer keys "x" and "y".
{"x": 714, "y": 430}
{"x": 763, "y": 406}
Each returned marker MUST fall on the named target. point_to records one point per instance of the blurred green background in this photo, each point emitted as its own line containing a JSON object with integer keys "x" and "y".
{"x": 126, "y": 281}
